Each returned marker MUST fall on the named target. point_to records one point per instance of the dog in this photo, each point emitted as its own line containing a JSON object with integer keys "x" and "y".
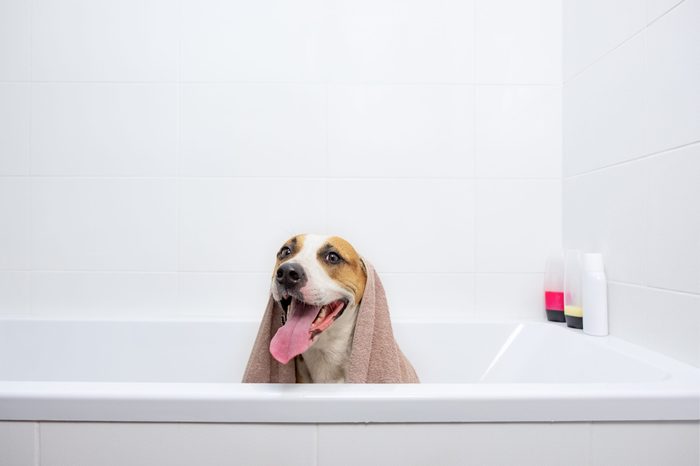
{"x": 319, "y": 282}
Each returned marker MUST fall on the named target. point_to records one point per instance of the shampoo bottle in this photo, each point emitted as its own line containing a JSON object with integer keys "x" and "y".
{"x": 554, "y": 287}
{"x": 573, "y": 303}
{"x": 595, "y": 296}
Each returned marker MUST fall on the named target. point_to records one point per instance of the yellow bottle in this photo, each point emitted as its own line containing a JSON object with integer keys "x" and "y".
{"x": 573, "y": 308}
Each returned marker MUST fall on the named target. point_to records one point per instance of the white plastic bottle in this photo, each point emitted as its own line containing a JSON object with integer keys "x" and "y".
{"x": 595, "y": 296}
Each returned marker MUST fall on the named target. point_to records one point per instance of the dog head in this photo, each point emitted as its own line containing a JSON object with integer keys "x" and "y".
{"x": 319, "y": 282}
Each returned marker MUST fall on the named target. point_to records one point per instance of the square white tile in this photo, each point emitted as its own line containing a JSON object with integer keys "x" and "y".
{"x": 238, "y": 225}
{"x": 673, "y": 70}
{"x": 417, "y": 42}
{"x": 430, "y": 296}
{"x": 518, "y": 131}
{"x": 14, "y": 128}
{"x": 104, "y": 129}
{"x": 252, "y": 41}
{"x": 607, "y": 211}
{"x": 664, "y": 321}
{"x": 673, "y": 248}
{"x": 101, "y": 40}
{"x": 103, "y": 294}
{"x": 406, "y": 225}
{"x": 644, "y": 443}
{"x": 604, "y": 112}
{"x": 595, "y": 27}
{"x": 103, "y": 224}
{"x": 15, "y": 39}
{"x": 518, "y": 42}
{"x": 253, "y": 130}
{"x": 147, "y": 444}
{"x": 509, "y": 296}
{"x": 231, "y": 295}
{"x": 518, "y": 222}
{"x": 14, "y": 289}
{"x": 15, "y": 205}
{"x": 401, "y": 130}
{"x": 17, "y": 443}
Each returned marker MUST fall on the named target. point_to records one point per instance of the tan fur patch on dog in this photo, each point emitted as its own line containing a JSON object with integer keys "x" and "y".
{"x": 350, "y": 272}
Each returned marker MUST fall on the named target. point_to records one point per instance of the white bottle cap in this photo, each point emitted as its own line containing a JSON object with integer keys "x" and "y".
{"x": 593, "y": 262}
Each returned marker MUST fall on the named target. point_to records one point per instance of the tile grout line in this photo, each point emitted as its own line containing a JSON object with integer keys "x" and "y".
{"x": 30, "y": 221}
{"x": 178, "y": 157}
{"x": 475, "y": 156}
{"x": 655, "y": 288}
{"x": 635, "y": 159}
{"x": 37, "y": 444}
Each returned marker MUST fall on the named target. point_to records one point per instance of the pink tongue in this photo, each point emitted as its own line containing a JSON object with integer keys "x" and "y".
{"x": 294, "y": 337}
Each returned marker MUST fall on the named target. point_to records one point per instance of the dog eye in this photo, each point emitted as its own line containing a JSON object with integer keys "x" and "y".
{"x": 332, "y": 258}
{"x": 284, "y": 252}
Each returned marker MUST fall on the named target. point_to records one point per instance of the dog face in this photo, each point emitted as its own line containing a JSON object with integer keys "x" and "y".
{"x": 317, "y": 280}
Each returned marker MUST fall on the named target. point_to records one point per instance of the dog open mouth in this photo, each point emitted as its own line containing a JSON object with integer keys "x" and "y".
{"x": 304, "y": 322}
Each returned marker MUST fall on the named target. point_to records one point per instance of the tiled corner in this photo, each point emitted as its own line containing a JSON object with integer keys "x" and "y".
{"x": 644, "y": 443}
{"x": 663, "y": 321}
{"x": 14, "y": 128}
{"x": 518, "y": 222}
{"x": 118, "y": 444}
{"x": 18, "y": 444}
{"x": 392, "y": 130}
{"x": 518, "y": 131}
{"x": 607, "y": 211}
{"x": 84, "y": 224}
{"x": 673, "y": 248}
{"x": 595, "y": 27}
{"x": 673, "y": 73}
{"x": 15, "y": 38}
{"x": 253, "y": 130}
{"x": 420, "y": 42}
{"x": 101, "y": 40}
{"x": 604, "y": 112}
{"x": 104, "y": 129}
{"x": 409, "y": 225}
{"x": 518, "y": 42}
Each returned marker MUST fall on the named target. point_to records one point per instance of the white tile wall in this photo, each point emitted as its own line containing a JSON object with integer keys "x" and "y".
{"x": 390, "y": 131}
{"x": 104, "y": 129}
{"x": 632, "y": 164}
{"x": 103, "y": 224}
{"x": 253, "y": 130}
{"x": 15, "y": 37}
{"x": 518, "y": 42}
{"x": 416, "y": 41}
{"x": 14, "y": 128}
{"x": 516, "y": 131}
{"x": 253, "y": 41}
{"x": 517, "y": 223}
{"x": 595, "y": 27}
{"x": 154, "y": 155}
{"x": 103, "y": 40}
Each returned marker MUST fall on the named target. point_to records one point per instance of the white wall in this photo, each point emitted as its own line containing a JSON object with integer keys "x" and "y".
{"x": 632, "y": 162}
{"x": 155, "y": 154}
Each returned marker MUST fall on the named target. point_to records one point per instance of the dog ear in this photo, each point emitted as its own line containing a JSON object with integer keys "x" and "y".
{"x": 364, "y": 267}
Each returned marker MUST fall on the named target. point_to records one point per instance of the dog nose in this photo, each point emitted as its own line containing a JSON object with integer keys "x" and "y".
{"x": 290, "y": 275}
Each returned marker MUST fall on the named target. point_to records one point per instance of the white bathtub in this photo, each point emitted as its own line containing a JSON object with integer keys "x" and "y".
{"x": 471, "y": 372}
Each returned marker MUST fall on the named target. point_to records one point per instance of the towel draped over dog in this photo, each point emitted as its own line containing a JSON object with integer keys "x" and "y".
{"x": 375, "y": 356}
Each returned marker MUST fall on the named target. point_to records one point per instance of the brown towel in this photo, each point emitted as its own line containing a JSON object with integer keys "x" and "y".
{"x": 375, "y": 356}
